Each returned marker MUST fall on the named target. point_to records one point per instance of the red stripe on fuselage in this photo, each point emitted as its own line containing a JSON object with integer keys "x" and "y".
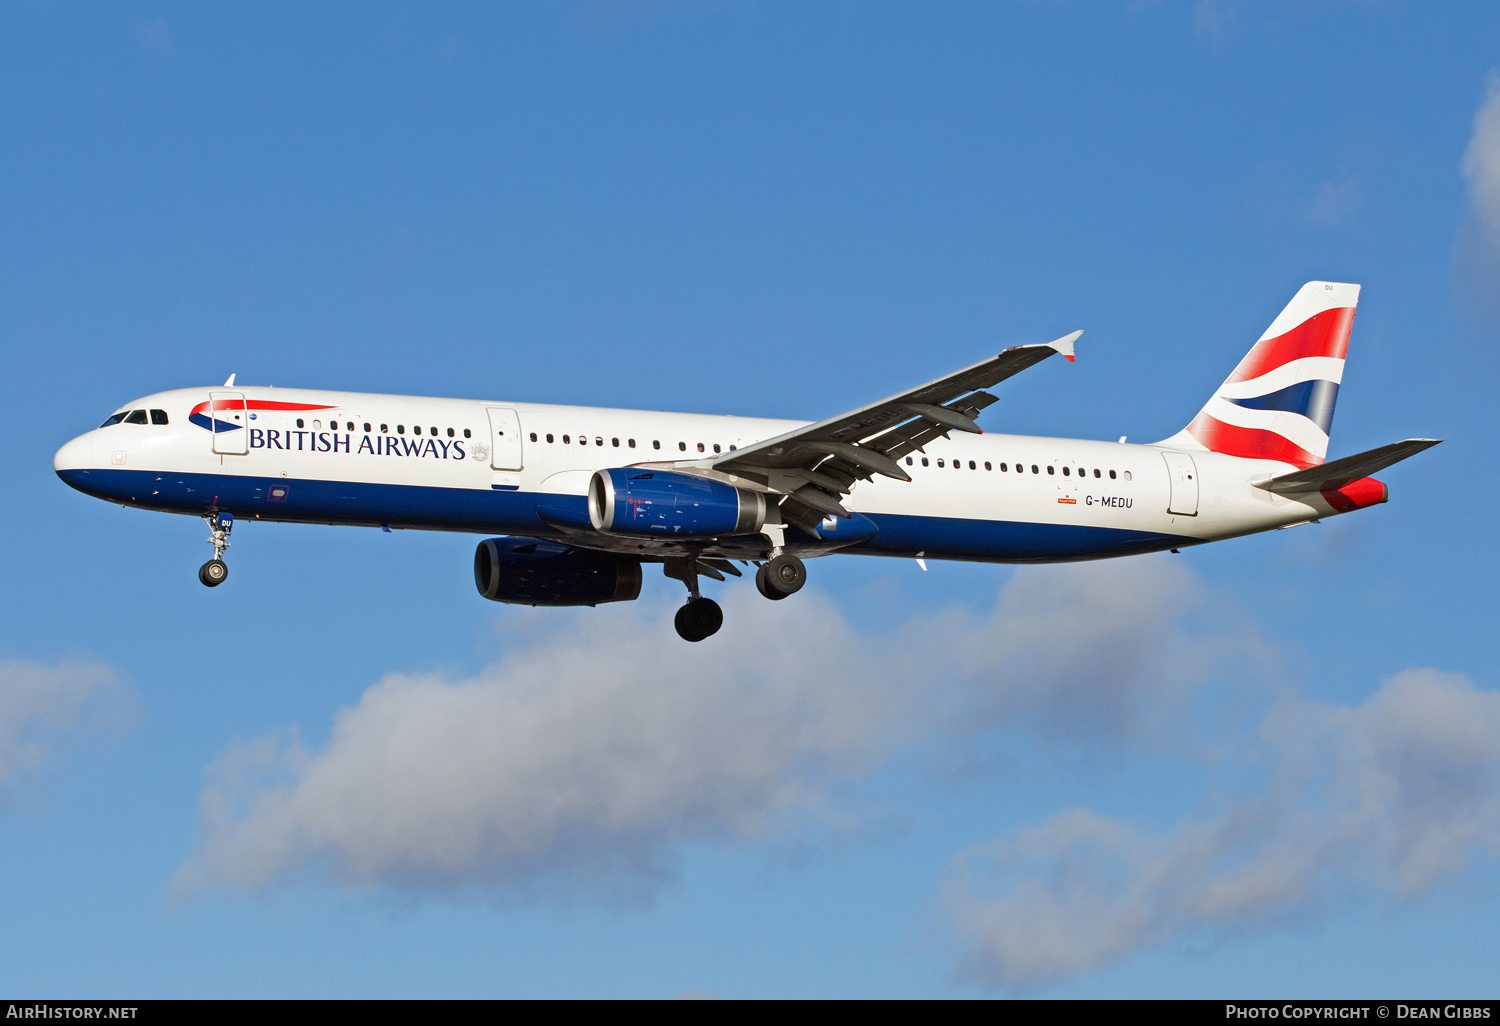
{"x": 1249, "y": 443}
{"x": 255, "y": 404}
{"x": 1324, "y": 334}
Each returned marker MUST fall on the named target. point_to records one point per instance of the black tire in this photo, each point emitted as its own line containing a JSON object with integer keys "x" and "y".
{"x": 785, "y": 574}
{"x": 213, "y": 573}
{"x": 764, "y": 588}
{"x": 699, "y": 619}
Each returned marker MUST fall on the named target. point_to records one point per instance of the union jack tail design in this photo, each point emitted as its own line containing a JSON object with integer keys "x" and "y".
{"x": 1278, "y": 403}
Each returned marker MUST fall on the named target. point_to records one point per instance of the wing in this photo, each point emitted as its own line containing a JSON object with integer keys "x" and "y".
{"x": 815, "y": 466}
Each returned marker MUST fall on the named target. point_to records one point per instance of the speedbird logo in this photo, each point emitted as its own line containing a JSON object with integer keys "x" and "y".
{"x": 200, "y": 413}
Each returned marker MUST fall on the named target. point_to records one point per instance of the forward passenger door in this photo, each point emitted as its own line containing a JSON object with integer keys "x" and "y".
{"x": 229, "y": 423}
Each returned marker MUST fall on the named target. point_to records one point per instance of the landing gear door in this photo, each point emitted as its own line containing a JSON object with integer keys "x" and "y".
{"x": 229, "y": 423}
{"x": 1184, "y": 477}
{"x": 505, "y": 439}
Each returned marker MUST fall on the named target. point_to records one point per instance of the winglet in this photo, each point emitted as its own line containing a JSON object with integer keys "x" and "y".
{"x": 1064, "y": 345}
{"x": 230, "y": 382}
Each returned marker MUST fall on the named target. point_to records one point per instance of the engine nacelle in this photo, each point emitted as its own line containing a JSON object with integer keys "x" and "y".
{"x": 662, "y": 503}
{"x": 528, "y": 572}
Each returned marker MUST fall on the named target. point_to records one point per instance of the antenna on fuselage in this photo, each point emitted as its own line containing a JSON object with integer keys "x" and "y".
{"x": 230, "y": 382}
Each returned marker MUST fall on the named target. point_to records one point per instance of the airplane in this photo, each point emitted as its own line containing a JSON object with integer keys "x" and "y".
{"x": 577, "y": 498}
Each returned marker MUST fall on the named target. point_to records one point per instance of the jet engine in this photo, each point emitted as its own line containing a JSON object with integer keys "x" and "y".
{"x": 528, "y": 572}
{"x": 666, "y": 504}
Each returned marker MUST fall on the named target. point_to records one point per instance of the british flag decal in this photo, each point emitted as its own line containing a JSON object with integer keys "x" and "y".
{"x": 1278, "y": 403}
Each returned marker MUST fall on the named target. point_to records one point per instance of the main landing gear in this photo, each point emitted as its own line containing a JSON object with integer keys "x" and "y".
{"x": 783, "y": 575}
{"x": 216, "y": 571}
{"x": 700, "y": 618}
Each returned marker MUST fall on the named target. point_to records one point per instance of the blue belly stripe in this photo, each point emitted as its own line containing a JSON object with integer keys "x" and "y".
{"x": 476, "y": 511}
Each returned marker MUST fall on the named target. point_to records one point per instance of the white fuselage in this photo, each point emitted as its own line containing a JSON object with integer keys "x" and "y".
{"x": 990, "y": 497}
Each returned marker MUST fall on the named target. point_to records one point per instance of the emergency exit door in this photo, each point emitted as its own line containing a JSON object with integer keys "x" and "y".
{"x": 505, "y": 439}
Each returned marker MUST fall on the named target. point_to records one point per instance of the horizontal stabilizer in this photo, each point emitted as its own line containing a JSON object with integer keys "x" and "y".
{"x": 1338, "y": 473}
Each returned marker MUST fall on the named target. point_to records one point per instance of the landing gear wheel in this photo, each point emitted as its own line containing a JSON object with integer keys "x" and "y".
{"x": 213, "y": 573}
{"x": 784, "y": 575}
{"x": 700, "y": 618}
{"x": 764, "y": 588}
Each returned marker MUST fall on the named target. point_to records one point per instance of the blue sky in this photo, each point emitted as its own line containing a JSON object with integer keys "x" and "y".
{"x": 1265, "y": 767}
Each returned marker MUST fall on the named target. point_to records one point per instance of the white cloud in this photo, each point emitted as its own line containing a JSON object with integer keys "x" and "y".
{"x": 43, "y": 708}
{"x": 590, "y": 756}
{"x": 1481, "y": 161}
{"x": 1098, "y": 651}
{"x": 1391, "y": 797}
{"x": 581, "y": 761}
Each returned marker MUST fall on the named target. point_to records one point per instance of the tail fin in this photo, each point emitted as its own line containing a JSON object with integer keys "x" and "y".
{"x": 1278, "y": 403}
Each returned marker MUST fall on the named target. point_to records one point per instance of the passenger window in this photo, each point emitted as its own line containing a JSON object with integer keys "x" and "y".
{"x": 598, "y": 441}
{"x": 383, "y": 429}
{"x": 116, "y": 418}
{"x": 1065, "y": 472}
{"x": 656, "y": 444}
{"x": 367, "y": 429}
{"x": 1051, "y": 469}
{"x": 731, "y": 448}
{"x": 958, "y": 464}
{"x": 940, "y": 463}
{"x": 682, "y": 447}
{"x": 450, "y": 434}
{"x": 630, "y": 442}
{"x": 924, "y": 461}
{"x": 716, "y": 447}
{"x": 972, "y": 467}
{"x": 158, "y": 416}
{"x": 466, "y": 432}
{"x": 583, "y": 440}
{"x": 986, "y": 464}
{"x": 908, "y": 461}
{"x": 1034, "y": 470}
{"x": 1004, "y": 468}
{"x": 615, "y": 442}
{"x": 1127, "y": 475}
{"x": 566, "y": 439}
{"x": 136, "y": 417}
{"x": 318, "y": 426}
{"x": 299, "y": 422}
{"x": 700, "y": 446}
{"x": 549, "y": 439}
{"x": 533, "y": 436}
{"x": 1096, "y": 471}
{"x": 1111, "y": 475}
{"x": 400, "y": 428}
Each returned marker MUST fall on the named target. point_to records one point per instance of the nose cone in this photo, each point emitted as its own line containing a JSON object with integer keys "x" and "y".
{"x": 76, "y": 455}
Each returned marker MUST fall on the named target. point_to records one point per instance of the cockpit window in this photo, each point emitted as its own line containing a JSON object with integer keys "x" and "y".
{"x": 158, "y": 416}
{"x": 115, "y": 419}
{"x": 136, "y": 417}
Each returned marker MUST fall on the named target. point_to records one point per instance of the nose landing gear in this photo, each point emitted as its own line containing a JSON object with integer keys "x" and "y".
{"x": 216, "y": 571}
